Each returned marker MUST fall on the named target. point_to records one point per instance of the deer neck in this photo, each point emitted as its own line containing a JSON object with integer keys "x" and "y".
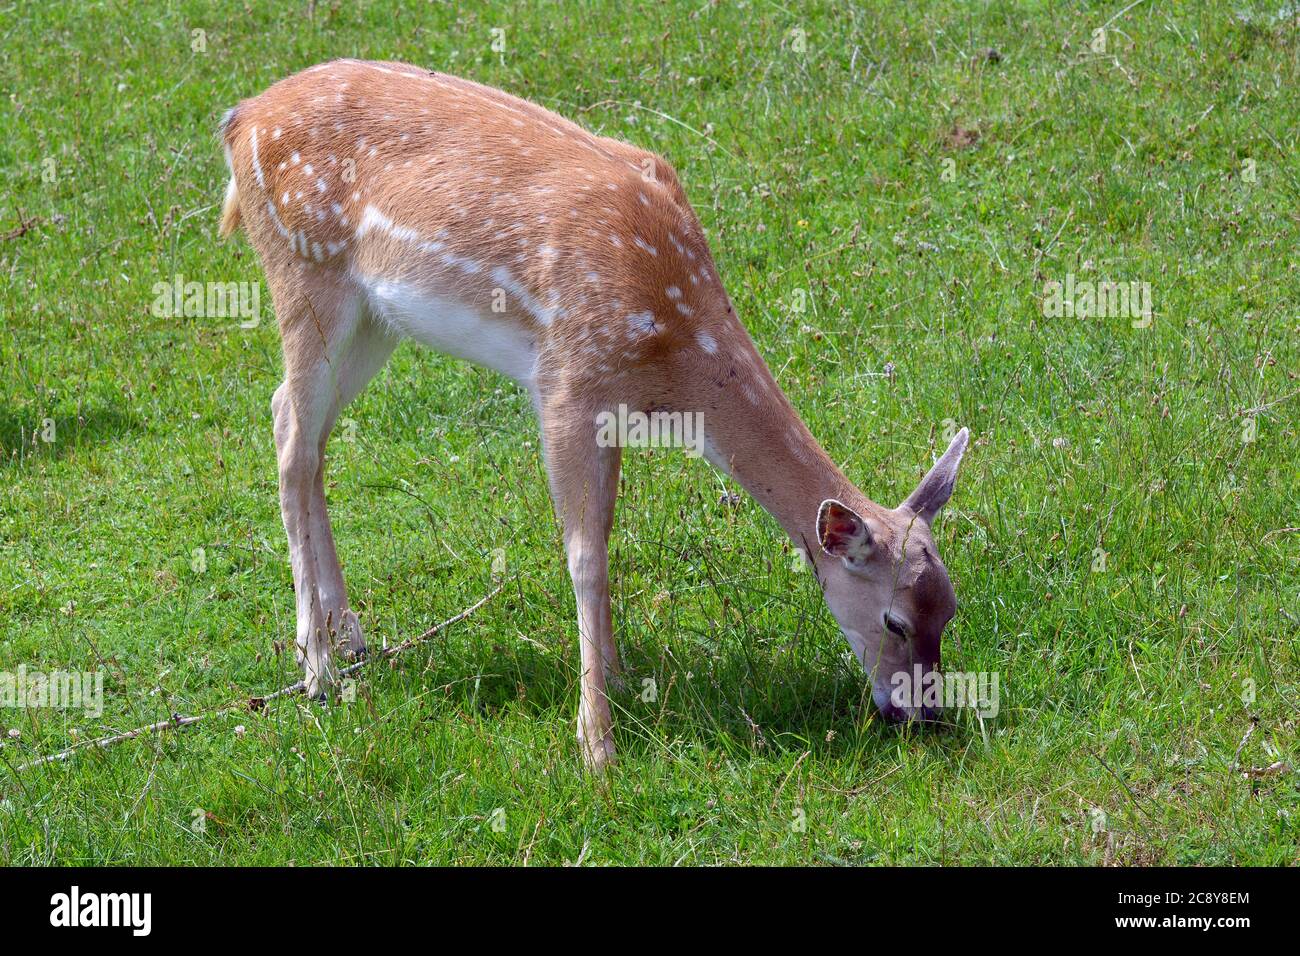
{"x": 755, "y": 435}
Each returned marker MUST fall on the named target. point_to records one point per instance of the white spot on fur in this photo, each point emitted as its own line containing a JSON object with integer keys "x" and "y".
{"x": 257, "y": 166}
{"x": 505, "y": 280}
{"x": 275, "y": 220}
{"x": 643, "y": 323}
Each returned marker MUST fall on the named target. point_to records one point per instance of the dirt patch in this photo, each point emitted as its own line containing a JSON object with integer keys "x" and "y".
{"x": 961, "y": 137}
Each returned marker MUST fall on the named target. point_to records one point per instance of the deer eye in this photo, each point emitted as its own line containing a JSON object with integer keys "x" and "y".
{"x": 894, "y": 626}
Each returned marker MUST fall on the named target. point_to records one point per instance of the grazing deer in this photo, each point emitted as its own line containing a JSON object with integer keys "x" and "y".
{"x": 386, "y": 201}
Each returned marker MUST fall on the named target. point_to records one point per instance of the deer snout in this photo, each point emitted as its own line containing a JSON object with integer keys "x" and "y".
{"x": 911, "y": 696}
{"x": 904, "y": 715}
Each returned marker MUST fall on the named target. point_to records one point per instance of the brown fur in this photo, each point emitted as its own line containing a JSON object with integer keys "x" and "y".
{"x": 355, "y": 172}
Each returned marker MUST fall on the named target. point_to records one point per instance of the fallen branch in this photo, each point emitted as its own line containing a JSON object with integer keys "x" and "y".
{"x": 24, "y": 226}
{"x": 1279, "y": 766}
{"x": 253, "y": 703}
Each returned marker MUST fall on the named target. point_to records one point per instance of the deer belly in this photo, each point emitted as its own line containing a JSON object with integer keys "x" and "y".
{"x": 452, "y": 324}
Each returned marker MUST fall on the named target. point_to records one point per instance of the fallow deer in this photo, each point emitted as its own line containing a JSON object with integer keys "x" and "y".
{"x": 387, "y": 202}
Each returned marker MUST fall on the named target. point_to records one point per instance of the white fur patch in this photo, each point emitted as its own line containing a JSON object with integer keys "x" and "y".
{"x": 451, "y": 324}
{"x": 257, "y": 165}
{"x": 643, "y": 323}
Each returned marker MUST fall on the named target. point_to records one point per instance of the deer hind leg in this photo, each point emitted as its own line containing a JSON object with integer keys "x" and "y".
{"x": 584, "y": 484}
{"x": 332, "y": 348}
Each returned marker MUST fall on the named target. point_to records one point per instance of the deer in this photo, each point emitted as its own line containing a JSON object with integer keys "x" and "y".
{"x": 388, "y": 202}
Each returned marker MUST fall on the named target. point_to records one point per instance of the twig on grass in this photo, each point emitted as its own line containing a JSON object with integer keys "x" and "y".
{"x": 252, "y": 703}
{"x": 24, "y": 226}
{"x": 1278, "y": 766}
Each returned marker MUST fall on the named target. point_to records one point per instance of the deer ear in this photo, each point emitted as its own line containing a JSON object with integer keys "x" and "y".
{"x": 843, "y": 534}
{"x": 936, "y": 487}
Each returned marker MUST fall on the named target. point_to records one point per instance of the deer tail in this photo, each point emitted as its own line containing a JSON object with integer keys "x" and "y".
{"x": 230, "y": 208}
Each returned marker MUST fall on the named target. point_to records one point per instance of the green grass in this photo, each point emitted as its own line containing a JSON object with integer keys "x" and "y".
{"x": 823, "y": 171}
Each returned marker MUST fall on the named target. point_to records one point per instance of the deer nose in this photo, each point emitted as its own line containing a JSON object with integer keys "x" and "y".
{"x": 921, "y": 715}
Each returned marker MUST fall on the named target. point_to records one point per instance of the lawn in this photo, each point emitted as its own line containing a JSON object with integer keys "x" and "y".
{"x": 891, "y": 191}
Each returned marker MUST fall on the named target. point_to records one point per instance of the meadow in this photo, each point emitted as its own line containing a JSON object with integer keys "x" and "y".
{"x": 892, "y": 193}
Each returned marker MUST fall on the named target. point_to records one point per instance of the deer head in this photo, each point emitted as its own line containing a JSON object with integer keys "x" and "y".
{"x": 887, "y": 587}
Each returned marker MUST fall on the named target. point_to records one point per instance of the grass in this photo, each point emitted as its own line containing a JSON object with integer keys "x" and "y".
{"x": 1169, "y": 158}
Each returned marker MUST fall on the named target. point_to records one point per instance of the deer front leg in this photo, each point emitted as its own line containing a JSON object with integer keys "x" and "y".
{"x": 584, "y": 484}
{"x": 588, "y": 567}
